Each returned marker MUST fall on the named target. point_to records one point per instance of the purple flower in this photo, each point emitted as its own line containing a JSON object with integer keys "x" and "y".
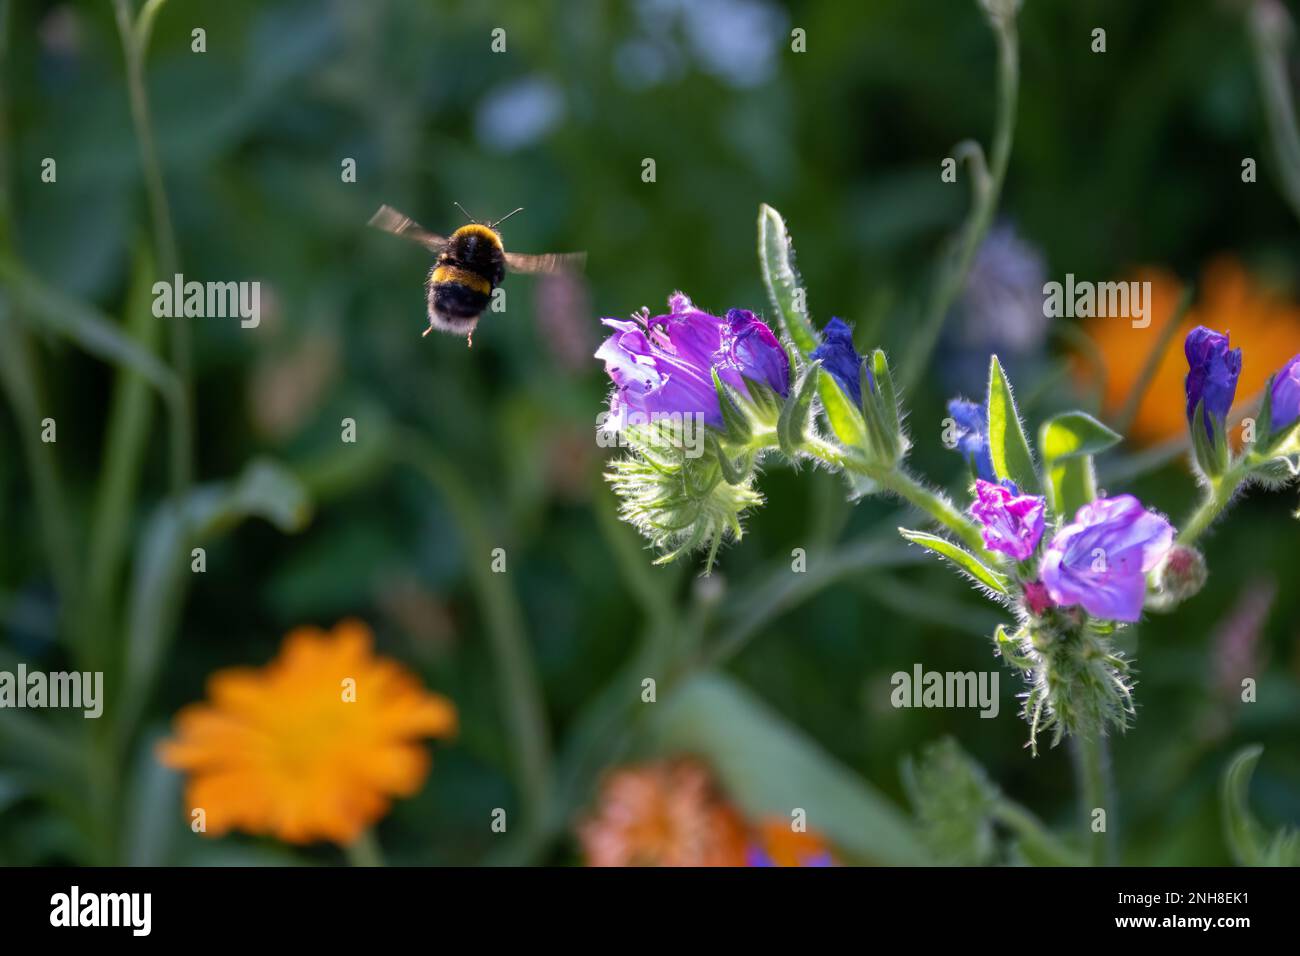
{"x": 1100, "y": 561}
{"x": 1013, "y": 523}
{"x": 1284, "y": 401}
{"x": 1212, "y": 370}
{"x": 973, "y": 436}
{"x": 663, "y": 365}
{"x": 841, "y": 359}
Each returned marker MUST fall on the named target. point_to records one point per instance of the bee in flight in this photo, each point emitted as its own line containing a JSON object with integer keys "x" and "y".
{"x": 469, "y": 266}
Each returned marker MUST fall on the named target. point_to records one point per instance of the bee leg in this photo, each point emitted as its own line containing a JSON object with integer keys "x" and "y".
{"x": 469, "y": 340}
{"x": 426, "y": 331}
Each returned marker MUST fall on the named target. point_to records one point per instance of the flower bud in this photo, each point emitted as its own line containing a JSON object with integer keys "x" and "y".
{"x": 1182, "y": 574}
{"x": 1211, "y": 385}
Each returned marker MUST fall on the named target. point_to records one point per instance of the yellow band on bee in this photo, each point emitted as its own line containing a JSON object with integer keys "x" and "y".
{"x": 464, "y": 277}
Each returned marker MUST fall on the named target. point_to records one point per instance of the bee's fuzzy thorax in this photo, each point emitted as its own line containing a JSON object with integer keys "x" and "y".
{"x": 480, "y": 231}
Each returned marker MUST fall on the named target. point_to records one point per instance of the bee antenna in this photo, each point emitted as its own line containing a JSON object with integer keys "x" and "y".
{"x": 493, "y": 225}
{"x": 462, "y": 209}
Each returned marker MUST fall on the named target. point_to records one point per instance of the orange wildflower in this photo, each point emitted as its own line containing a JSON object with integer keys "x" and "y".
{"x": 1264, "y": 324}
{"x": 668, "y": 813}
{"x": 314, "y": 745}
{"x": 776, "y": 843}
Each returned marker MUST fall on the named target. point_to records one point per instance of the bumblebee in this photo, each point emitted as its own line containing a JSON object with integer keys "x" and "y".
{"x": 470, "y": 264}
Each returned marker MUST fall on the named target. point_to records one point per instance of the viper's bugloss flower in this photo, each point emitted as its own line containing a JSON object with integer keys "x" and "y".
{"x": 1010, "y": 523}
{"x": 1212, "y": 371}
{"x": 664, "y": 365}
{"x": 1100, "y": 560}
{"x": 288, "y": 751}
{"x": 841, "y": 359}
{"x": 667, "y": 813}
{"x": 775, "y": 844}
{"x": 972, "y": 438}
{"x": 1284, "y": 408}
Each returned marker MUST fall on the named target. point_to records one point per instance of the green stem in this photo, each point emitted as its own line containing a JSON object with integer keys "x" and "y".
{"x": 987, "y": 191}
{"x": 1270, "y": 26}
{"x": 135, "y": 39}
{"x": 364, "y": 851}
{"x": 901, "y": 483}
{"x": 1037, "y": 841}
{"x": 519, "y": 690}
{"x": 935, "y": 504}
{"x": 1139, "y": 390}
{"x": 1221, "y": 492}
{"x": 1092, "y": 764}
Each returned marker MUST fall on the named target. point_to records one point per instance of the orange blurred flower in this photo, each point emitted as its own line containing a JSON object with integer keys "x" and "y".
{"x": 1264, "y": 324}
{"x": 667, "y": 813}
{"x": 314, "y": 745}
{"x": 776, "y": 843}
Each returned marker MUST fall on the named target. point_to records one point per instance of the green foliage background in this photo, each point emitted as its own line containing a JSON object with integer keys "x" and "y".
{"x": 1123, "y": 158}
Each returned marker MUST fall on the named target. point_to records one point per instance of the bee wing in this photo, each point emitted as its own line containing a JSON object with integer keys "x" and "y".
{"x": 550, "y": 262}
{"x": 390, "y": 220}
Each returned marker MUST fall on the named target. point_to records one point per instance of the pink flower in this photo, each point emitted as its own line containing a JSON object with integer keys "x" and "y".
{"x": 1012, "y": 523}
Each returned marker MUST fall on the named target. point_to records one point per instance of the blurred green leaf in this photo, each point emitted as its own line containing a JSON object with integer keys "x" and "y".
{"x": 1249, "y": 842}
{"x": 953, "y": 799}
{"x": 263, "y": 489}
{"x": 1007, "y": 444}
{"x": 769, "y": 768}
{"x": 154, "y": 812}
{"x": 94, "y": 333}
{"x": 127, "y": 439}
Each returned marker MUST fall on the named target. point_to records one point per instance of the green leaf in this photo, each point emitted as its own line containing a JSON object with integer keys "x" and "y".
{"x": 735, "y": 424}
{"x": 129, "y": 434}
{"x": 776, "y": 260}
{"x": 844, "y": 416}
{"x": 768, "y": 767}
{"x": 886, "y": 393}
{"x": 1007, "y": 445}
{"x": 734, "y": 471}
{"x": 959, "y": 556}
{"x": 793, "y": 422}
{"x": 93, "y": 332}
{"x": 1067, "y": 443}
{"x": 1249, "y": 842}
{"x": 882, "y": 439}
{"x": 1211, "y": 452}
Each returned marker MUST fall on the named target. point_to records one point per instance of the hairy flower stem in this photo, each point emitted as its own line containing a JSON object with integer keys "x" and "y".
{"x": 987, "y": 189}
{"x": 900, "y": 482}
{"x": 1092, "y": 764}
{"x": 1218, "y": 495}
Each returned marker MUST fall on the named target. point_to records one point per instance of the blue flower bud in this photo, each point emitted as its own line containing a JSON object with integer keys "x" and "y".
{"x": 1284, "y": 407}
{"x": 841, "y": 359}
{"x": 1212, "y": 370}
{"x": 973, "y": 436}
